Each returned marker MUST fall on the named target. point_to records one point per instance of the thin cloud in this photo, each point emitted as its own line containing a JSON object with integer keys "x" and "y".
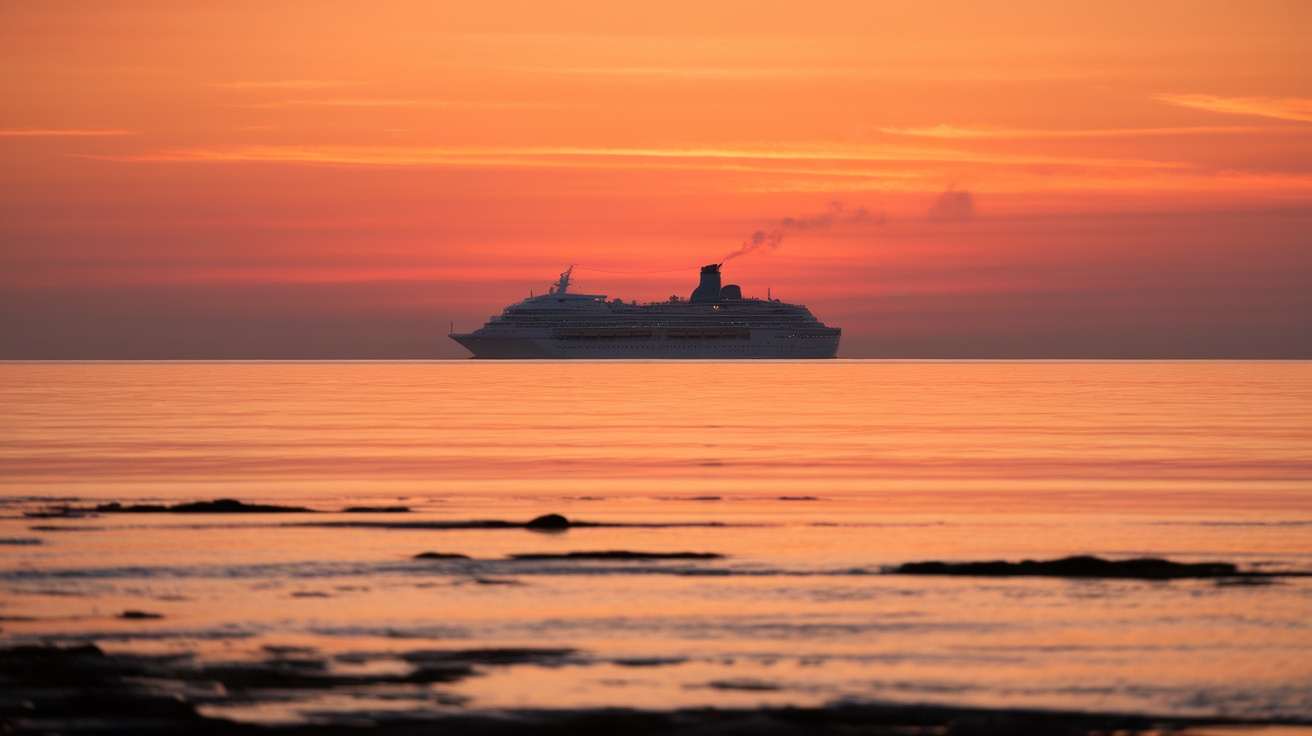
{"x": 339, "y": 102}
{"x": 561, "y": 156}
{"x": 284, "y": 84}
{"x": 365, "y": 102}
{"x": 35, "y": 132}
{"x": 1280, "y": 108}
{"x": 706, "y": 72}
{"x": 957, "y": 132}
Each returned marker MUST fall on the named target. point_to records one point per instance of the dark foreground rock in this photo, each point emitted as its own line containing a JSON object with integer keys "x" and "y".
{"x": 1145, "y": 568}
{"x": 47, "y": 689}
{"x": 618, "y": 555}
{"x": 440, "y": 556}
{"x": 218, "y": 506}
{"x": 81, "y": 691}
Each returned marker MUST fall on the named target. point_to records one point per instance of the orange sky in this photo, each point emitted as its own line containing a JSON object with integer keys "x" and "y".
{"x": 332, "y": 179}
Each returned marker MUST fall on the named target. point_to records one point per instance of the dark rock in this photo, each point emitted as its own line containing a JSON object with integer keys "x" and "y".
{"x": 1146, "y": 568}
{"x": 28, "y": 656}
{"x": 619, "y": 555}
{"x": 548, "y": 521}
{"x": 231, "y": 506}
{"x": 218, "y": 506}
{"x": 79, "y": 684}
{"x": 140, "y": 615}
{"x": 440, "y": 556}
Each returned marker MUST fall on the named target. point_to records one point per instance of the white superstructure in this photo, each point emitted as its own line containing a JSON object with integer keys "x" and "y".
{"x": 715, "y": 322}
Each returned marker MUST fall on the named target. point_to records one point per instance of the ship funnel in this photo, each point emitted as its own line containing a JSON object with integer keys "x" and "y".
{"x": 709, "y": 289}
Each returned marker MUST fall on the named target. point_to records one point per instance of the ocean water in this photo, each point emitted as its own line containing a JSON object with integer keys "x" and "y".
{"x": 809, "y": 480}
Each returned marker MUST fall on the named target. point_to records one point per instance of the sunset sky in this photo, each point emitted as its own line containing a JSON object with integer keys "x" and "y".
{"x": 347, "y": 179}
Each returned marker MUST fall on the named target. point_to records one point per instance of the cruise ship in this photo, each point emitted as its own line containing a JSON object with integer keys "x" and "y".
{"x": 715, "y": 322}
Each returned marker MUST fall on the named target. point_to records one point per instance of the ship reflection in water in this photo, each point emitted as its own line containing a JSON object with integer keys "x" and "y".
{"x": 715, "y": 322}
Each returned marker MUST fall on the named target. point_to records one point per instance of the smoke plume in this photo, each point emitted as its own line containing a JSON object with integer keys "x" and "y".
{"x": 768, "y": 240}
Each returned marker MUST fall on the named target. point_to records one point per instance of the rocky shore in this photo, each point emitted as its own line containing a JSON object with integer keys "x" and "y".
{"x": 82, "y": 690}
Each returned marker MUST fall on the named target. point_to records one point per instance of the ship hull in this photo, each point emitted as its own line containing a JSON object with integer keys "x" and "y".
{"x": 760, "y": 344}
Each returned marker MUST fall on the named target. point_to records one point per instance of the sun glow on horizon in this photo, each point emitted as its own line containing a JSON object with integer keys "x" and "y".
{"x": 318, "y": 151}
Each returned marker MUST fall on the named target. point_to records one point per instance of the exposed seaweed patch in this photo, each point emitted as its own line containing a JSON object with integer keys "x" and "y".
{"x": 376, "y": 510}
{"x": 618, "y": 555}
{"x": 310, "y": 673}
{"x": 1144, "y": 568}
{"x": 1246, "y": 581}
{"x": 649, "y": 661}
{"x": 490, "y": 524}
{"x": 507, "y": 656}
{"x": 434, "y": 525}
{"x": 276, "y": 674}
{"x": 279, "y": 650}
{"x": 217, "y": 506}
{"x": 745, "y": 684}
{"x": 61, "y": 511}
{"x": 61, "y": 592}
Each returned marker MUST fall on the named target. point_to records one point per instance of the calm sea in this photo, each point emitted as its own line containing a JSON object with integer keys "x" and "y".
{"x": 810, "y": 479}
